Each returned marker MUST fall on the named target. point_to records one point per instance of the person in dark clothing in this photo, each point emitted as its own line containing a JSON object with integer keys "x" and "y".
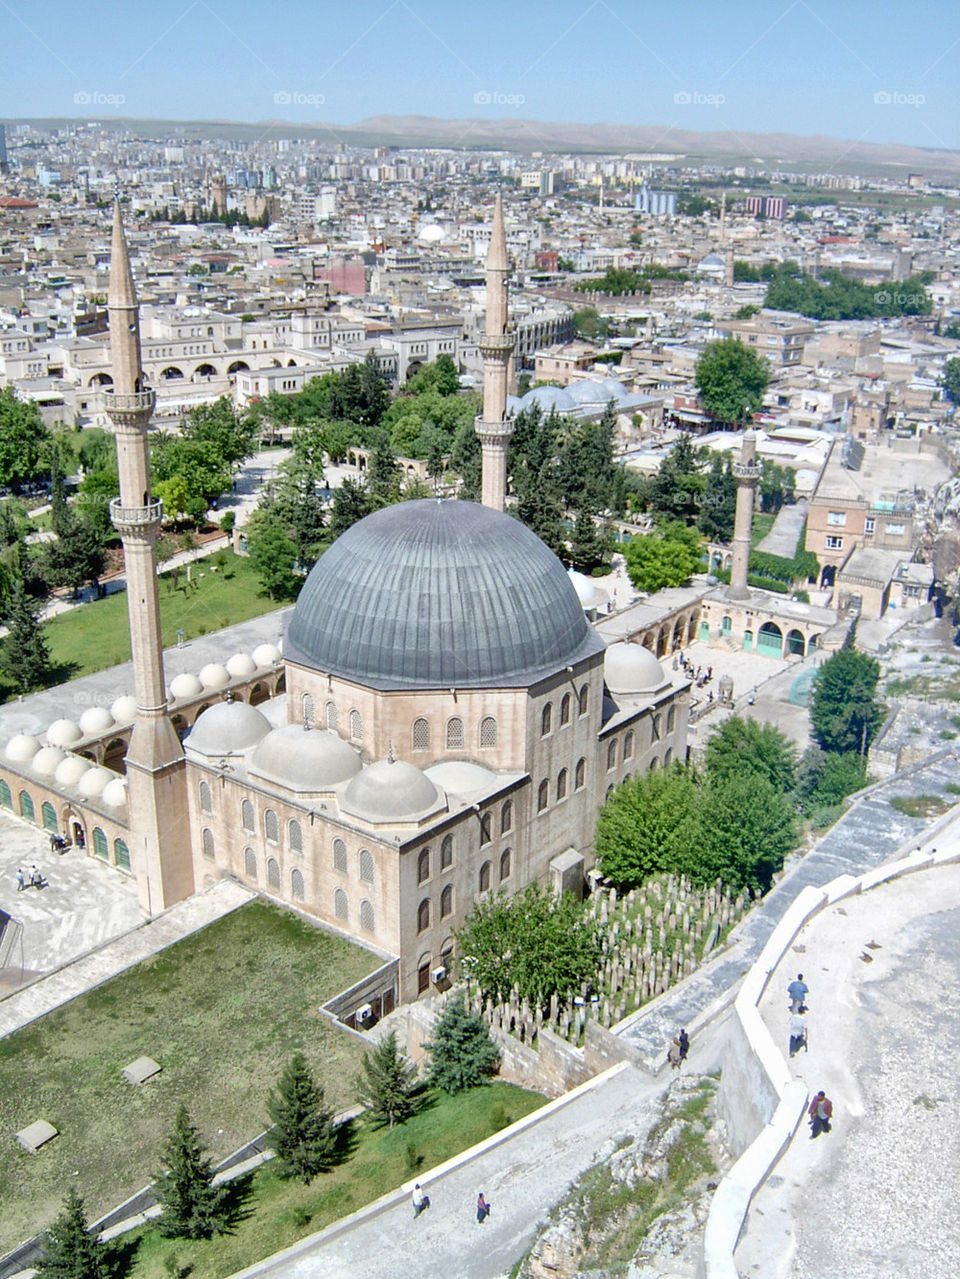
{"x": 820, "y": 1112}
{"x": 483, "y": 1208}
{"x": 797, "y": 990}
{"x": 683, "y": 1043}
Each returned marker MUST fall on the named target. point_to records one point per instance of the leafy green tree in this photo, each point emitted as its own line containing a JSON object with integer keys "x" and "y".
{"x": 465, "y": 460}
{"x": 677, "y": 487}
{"x": 718, "y": 503}
{"x": 590, "y": 324}
{"x": 731, "y": 380}
{"x": 23, "y": 440}
{"x": 351, "y": 502}
{"x": 374, "y": 392}
{"x": 386, "y": 1082}
{"x": 462, "y": 1054}
{"x": 668, "y": 557}
{"x": 777, "y": 485}
{"x": 651, "y": 823}
{"x": 232, "y": 435}
{"x": 825, "y": 779}
{"x": 97, "y": 489}
{"x": 70, "y": 1250}
{"x": 77, "y": 555}
{"x": 742, "y": 746}
{"x": 24, "y": 655}
{"x": 193, "y": 1208}
{"x": 845, "y": 711}
{"x": 541, "y": 943}
{"x": 748, "y": 829}
{"x": 303, "y": 1135}
{"x": 273, "y": 555}
{"x": 448, "y": 377}
{"x": 384, "y": 475}
{"x": 951, "y": 379}
{"x": 588, "y": 549}
{"x": 189, "y": 473}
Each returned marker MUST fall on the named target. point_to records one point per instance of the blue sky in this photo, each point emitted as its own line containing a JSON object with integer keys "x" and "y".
{"x": 793, "y": 67}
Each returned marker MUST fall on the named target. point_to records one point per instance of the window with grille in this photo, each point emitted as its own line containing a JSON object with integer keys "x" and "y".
{"x": 579, "y": 776}
{"x": 562, "y": 784}
{"x": 504, "y": 865}
{"x": 546, "y": 719}
{"x": 341, "y": 906}
{"x": 100, "y": 843}
{"x": 356, "y": 726}
{"x": 339, "y": 855}
{"x": 48, "y": 816}
{"x": 26, "y": 806}
{"x": 366, "y": 865}
{"x": 446, "y": 902}
{"x": 273, "y": 872}
{"x": 206, "y": 798}
{"x": 206, "y": 839}
{"x": 246, "y": 816}
{"x": 421, "y": 734}
{"x": 488, "y": 732}
{"x": 306, "y": 709}
{"x": 121, "y": 854}
{"x": 543, "y": 796}
{"x": 423, "y": 866}
{"x": 506, "y": 817}
{"x": 330, "y": 716}
{"x": 446, "y": 852}
{"x": 250, "y": 864}
{"x": 455, "y": 734}
{"x": 6, "y": 799}
{"x": 271, "y": 826}
{"x": 423, "y": 915}
{"x": 367, "y": 917}
{"x": 295, "y": 836}
{"x": 296, "y": 886}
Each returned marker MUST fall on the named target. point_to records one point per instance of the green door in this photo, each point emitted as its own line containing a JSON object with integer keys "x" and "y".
{"x": 770, "y": 642}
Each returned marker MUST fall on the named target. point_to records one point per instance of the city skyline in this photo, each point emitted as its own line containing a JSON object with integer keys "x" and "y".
{"x": 795, "y": 70}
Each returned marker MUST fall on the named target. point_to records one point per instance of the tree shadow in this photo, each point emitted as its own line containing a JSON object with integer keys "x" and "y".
{"x": 120, "y": 1255}
{"x": 237, "y": 1203}
{"x": 345, "y": 1143}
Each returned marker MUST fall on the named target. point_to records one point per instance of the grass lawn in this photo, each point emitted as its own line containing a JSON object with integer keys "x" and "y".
{"x": 95, "y": 636}
{"x": 761, "y": 526}
{"x": 280, "y": 1211}
{"x": 221, "y": 1011}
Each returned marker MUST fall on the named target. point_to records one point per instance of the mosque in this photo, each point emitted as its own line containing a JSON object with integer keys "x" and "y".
{"x": 443, "y": 723}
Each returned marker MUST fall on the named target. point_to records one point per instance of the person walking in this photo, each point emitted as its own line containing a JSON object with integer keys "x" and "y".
{"x": 21, "y": 880}
{"x": 683, "y": 1043}
{"x": 36, "y": 879}
{"x": 798, "y": 1032}
{"x": 797, "y": 990}
{"x": 673, "y": 1054}
{"x": 820, "y": 1112}
{"x": 420, "y": 1200}
{"x": 483, "y": 1208}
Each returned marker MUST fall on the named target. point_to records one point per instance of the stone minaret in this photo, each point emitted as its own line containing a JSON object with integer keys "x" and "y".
{"x": 496, "y": 344}
{"x": 747, "y": 473}
{"x": 160, "y": 845}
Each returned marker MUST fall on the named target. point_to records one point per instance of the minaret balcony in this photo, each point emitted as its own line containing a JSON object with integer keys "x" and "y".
{"x": 134, "y": 517}
{"x": 129, "y": 406}
{"x": 497, "y": 343}
{"x": 746, "y": 472}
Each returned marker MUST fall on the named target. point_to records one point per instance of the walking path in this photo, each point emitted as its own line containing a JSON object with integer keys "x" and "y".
{"x": 784, "y": 534}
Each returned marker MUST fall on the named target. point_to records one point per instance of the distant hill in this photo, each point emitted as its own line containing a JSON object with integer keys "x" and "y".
{"x": 770, "y": 150}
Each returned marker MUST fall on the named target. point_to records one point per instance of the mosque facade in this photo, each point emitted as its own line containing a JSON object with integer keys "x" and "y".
{"x": 444, "y": 722}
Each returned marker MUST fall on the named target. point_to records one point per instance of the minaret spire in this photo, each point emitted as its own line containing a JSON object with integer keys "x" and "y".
{"x": 747, "y": 474}
{"x": 160, "y": 842}
{"x": 496, "y": 345}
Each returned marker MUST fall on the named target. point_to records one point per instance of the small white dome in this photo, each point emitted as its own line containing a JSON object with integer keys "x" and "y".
{"x": 588, "y": 593}
{"x": 185, "y": 686}
{"x": 226, "y": 728}
{"x": 266, "y": 654}
{"x": 63, "y": 732}
{"x": 214, "y": 676}
{"x": 22, "y": 748}
{"x": 304, "y": 760}
{"x": 459, "y": 777}
{"x": 95, "y": 719}
{"x": 115, "y": 793}
{"x": 390, "y": 790}
{"x": 92, "y": 784}
{"x": 631, "y": 668}
{"x": 240, "y": 665}
{"x": 124, "y": 709}
{"x": 45, "y": 761}
{"x": 70, "y": 770}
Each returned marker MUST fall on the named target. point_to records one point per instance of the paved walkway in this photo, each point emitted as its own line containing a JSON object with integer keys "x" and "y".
{"x": 883, "y": 1044}
{"x": 784, "y": 534}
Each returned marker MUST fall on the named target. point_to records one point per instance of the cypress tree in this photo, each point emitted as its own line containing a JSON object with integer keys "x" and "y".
{"x": 461, "y": 1051}
{"x": 193, "y": 1208}
{"x": 70, "y": 1251}
{"x": 385, "y": 1083}
{"x": 303, "y": 1135}
{"x": 24, "y": 655}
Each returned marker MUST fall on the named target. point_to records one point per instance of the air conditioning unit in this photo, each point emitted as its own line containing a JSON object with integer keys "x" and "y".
{"x": 364, "y": 1012}
{"x": 438, "y": 975}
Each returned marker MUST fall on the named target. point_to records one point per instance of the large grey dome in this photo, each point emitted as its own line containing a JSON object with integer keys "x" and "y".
{"x": 439, "y": 595}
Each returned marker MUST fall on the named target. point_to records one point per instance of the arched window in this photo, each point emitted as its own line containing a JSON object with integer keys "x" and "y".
{"x": 610, "y": 790}
{"x": 584, "y": 699}
{"x": 565, "y": 710}
{"x": 423, "y": 915}
{"x": 26, "y": 806}
{"x": 341, "y": 907}
{"x": 246, "y": 816}
{"x": 366, "y": 865}
{"x": 668, "y": 756}
{"x": 488, "y": 732}
{"x": 455, "y": 734}
{"x": 306, "y": 709}
{"x": 671, "y": 719}
{"x": 295, "y": 836}
{"x": 628, "y": 745}
{"x": 423, "y": 866}
{"x": 421, "y": 734}
{"x": 446, "y": 902}
{"x": 654, "y": 764}
{"x": 121, "y": 854}
{"x": 579, "y": 776}
{"x": 543, "y": 795}
{"x": 273, "y": 872}
{"x": 484, "y": 877}
{"x": 506, "y": 816}
{"x": 206, "y": 840}
{"x": 504, "y": 865}
{"x": 296, "y": 886}
{"x": 446, "y": 852}
{"x": 271, "y": 826}
{"x": 330, "y": 716}
{"x": 339, "y": 855}
{"x": 612, "y": 754}
{"x": 546, "y": 719}
{"x": 206, "y": 798}
{"x": 356, "y": 726}
{"x": 367, "y": 921}
{"x": 48, "y": 815}
{"x": 250, "y": 864}
{"x": 6, "y": 799}
{"x": 100, "y": 843}
{"x": 486, "y": 827}
{"x": 562, "y": 784}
